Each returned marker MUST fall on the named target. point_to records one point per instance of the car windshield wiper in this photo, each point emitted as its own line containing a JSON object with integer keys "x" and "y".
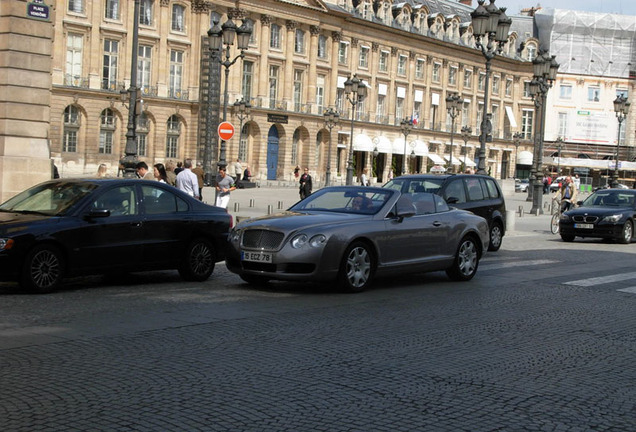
{"x": 32, "y": 212}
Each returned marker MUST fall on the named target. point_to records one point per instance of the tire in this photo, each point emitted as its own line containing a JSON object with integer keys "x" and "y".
{"x": 199, "y": 260}
{"x": 43, "y": 269}
{"x": 567, "y": 238}
{"x": 254, "y": 279}
{"x": 466, "y": 261}
{"x": 496, "y": 237}
{"x": 357, "y": 268}
{"x": 626, "y": 233}
{"x": 554, "y": 223}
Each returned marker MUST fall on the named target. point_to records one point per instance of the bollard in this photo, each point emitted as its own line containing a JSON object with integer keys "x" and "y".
{"x": 520, "y": 211}
{"x": 251, "y": 202}
{"x": 270, "y": 209}
{"x": 237, "y": 206}
{"x": 280, "y": 205}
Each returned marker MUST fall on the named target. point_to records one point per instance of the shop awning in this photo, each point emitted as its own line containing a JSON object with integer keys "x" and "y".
{"x": 420, "y": 149}
{"x": 524, "y": 158}
{"x": 362, "y": 142}
{"x": 398, "y": 146}
{"x": 438, "y": 160}
{"x": 455, "y": 160}
{"x": 383, "y": 144}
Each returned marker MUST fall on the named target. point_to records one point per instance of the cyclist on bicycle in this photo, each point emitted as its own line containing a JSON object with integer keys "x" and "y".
{"x": 567, "y": 193}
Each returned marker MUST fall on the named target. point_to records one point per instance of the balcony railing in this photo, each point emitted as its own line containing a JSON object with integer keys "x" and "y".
{"x": 148, "y": 90}
{"x": 75, "y": 81}
{"x": 178, "y": 94}
{"x": 113, "y": 86}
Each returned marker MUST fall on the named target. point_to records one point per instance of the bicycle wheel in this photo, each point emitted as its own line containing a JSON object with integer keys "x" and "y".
{"x": 554, "y": 223}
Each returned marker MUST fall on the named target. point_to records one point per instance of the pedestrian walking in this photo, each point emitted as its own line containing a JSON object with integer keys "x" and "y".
{"x": 198, "y": 171}
{"x": 187, "y": 180}
{"x": 224, "y": 185}
{"x": 143, "y": 172}
{"x": 305, "y": 184}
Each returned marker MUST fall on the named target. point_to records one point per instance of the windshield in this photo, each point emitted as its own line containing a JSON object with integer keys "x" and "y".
{"x": 52, "y": 199}
{"x": 345, "y": 200}
{"x": 411, "y": 185}
{"x": 610, "y": 198}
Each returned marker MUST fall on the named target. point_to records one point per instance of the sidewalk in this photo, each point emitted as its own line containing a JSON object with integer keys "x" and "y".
{"x": 246, "y": 203}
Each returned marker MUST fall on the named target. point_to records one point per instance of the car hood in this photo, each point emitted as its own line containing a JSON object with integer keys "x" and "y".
{"x": 597, "y": 211}
{"x": 292, "y": 220}
{"x": 12, "y": 222}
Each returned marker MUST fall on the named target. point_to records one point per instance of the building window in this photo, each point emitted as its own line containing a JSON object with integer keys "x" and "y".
{"x": 437, "y": 67}
{"x": 322, "y": 47}
{"x": 144, "y": 65}
{"x": 146, "y": 12}
{"x": 563, "y": 124}
{"x": 142, "y": 134}
{"x": 274, "y": 36}
{"x": 178, "y": 18}
{"x": 399, "y": 109}
{"x": 593, "y": 94}
{"x": 76, "y": 6}
{"x": 248, "y": 76}
{"x": 74, "y": 50}
{"x": 294, "y": 149}
{"x": 172, "y": 140}
{"x": 112, "y": 9}
{"x": 527, "y": 117}
{"x": 495, "y": 85}
{"x": 526, "y": 89}
{"x": 298, "y": 90}
{"x": 243, "y": 136}
{"x": 111, "y": 58}
{"x": 106, "y": 131}
{"x": 452, "y": 75}
{"x": 273, "y": 85}
{"x": 465, "y": 113}
{"x": 481, "y": 84}
{"x": 508, "y": 86}
{"x": 417, "y": 112}
{"x": 468, "y": 78}
{"x": 621, "y": 93}
{"x": 383, "y": 65}
{"x": 299, "y": 42}
{"x": 531, "y": 51}
{"x": 320, "y": 93}
{"x": 565, "y": 91}
{"x": 380, "y": 111}
{"x": 343, "y": 53}
{"x": 364, "y": 57}
{"x": 401, "y": 67}
{"x": 419, "y": 68}
{"x": 71, "y": 129}
{"x": 340, "y": 98}
{"x": 176, "y": 73}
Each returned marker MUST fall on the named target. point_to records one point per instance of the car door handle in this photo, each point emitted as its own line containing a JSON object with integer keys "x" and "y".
{"x": 437, "y": 223}
{"x": 137, "y": 224}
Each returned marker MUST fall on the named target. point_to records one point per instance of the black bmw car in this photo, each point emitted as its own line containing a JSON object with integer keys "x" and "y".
{"x": 92, "y": 226}
{"x": 607, "y": 213}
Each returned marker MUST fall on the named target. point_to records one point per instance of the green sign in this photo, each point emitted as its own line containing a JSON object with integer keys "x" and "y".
{"x": 586, "y": 113}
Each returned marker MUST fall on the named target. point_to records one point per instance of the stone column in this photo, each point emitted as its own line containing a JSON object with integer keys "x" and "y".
{"x": 313, "y": 54}
{"x": 25, "y": 99}
{"x": 263, "y": 67}
{"x": 288, "y": 79}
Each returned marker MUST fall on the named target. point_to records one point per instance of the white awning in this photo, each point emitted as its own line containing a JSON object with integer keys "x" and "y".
{"x": 420, "y": 149}
{"x": 524, "y": 158}
{"x": 401, "y": 92}
{"x": 383, "y": 144}
{"x": 455, "y": 160}
{"x": 362, "y": 142}
{"x": 468, "y": 162}
{"x": 511, "y": 117}
{"x": 436, "y": 159}
{"x": 435, "y": 99}
{"x": 398, "y": 146}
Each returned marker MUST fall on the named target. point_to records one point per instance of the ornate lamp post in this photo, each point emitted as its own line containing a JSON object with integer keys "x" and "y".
{"x": 544, "y": 73}
{"x": 492, "y": 24}
{"x": 243, "y": 111}
{"x": 467, "y": 131}
{"x": 224, "y": 35}
{"x": 129, "y": 161}
{"x": 516, "y": 137}
{"x": 453, "y": 106}
{"x": 621, "y": 108}
{"x": 406, "y": 125}
{"x": 331, "y": 119}
{"x": 356, "y": 91}
{"x": 559, "y": 143}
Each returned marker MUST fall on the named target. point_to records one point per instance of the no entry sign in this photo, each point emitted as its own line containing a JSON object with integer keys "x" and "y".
{"x": 225, "y": 130}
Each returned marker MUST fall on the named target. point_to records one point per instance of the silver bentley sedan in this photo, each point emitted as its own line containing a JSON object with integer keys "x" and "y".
{"x": 351, "y": 234}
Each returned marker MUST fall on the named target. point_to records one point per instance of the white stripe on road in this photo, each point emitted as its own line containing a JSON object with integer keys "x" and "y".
{"x": 515, "y": 264}
{"x": 631, "y": 290}
{"x": 603, "y": 279}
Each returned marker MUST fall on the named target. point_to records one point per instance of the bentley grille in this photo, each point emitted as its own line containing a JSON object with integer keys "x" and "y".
{"x": 262, "y": 239}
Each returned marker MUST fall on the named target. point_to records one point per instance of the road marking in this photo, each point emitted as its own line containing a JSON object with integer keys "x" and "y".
{"x": 515, "y": 264}
{"x": 602, "y": 279}
{"x": 631, "y": 290}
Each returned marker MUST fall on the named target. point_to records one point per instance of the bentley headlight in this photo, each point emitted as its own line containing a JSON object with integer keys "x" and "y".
{"x": 612, "y": 218}
{"x": 298, "y": 241}
{"x": 235, "y": 236}
{"x": 6, "y": 244}
{"x": 317, "y": 240}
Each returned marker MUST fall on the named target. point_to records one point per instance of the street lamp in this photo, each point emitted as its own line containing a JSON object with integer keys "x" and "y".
{"x": 559, "y": 143}
{"x": 453, "y": 106}
{"x": 467, "y": 131}
{"x": 492, "y": 24}
{"x": 621, "y": 108}
{"x": 243, "y": 112}
{"x": 516, "y": 137}
{"x": 356, "y": 91}
{"x": 406, "y": 125}
{"x": 331, "y": 119}
{"x": 544, "y": 69}
{"x": 129, "y": 161}
{"x": 224, "y": 35}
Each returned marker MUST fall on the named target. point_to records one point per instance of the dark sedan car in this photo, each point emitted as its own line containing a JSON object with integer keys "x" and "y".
{"x": 350, "y": 234}
{"x": 88, "y": 226}
{"x": 607, "y": 213}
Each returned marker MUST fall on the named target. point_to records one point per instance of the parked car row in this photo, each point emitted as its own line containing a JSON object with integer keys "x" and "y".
{"x": 346, "y": 234}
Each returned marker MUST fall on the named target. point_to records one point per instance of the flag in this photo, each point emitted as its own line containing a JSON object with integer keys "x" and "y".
{"x": 414, "y": 119}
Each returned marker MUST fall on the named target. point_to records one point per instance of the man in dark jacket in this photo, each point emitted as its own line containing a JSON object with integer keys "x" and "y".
{"x": 305, "y": 184}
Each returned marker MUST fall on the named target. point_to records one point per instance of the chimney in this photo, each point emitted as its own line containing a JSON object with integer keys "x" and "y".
{"x": 466, "y": 2}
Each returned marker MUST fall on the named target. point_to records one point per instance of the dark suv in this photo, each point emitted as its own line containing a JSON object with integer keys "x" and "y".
{"x": 478, "y": 193}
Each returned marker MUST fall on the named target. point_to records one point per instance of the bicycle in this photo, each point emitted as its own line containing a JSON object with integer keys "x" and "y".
{"x": 556, "y": 215}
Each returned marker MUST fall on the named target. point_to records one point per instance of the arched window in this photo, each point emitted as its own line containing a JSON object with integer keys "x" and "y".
{"x": 71, "y": 129}
{"x": 106, "y": 131}
{"x": 172, "y": 139}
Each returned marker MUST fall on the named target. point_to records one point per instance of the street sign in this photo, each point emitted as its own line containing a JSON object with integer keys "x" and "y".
{"x": 36, "y": 9}
{"x": 225, "y": 130}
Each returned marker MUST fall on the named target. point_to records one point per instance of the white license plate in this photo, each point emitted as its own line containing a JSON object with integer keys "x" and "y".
{"x": 583, "y": 226}
{"x": 256, "y": 257}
